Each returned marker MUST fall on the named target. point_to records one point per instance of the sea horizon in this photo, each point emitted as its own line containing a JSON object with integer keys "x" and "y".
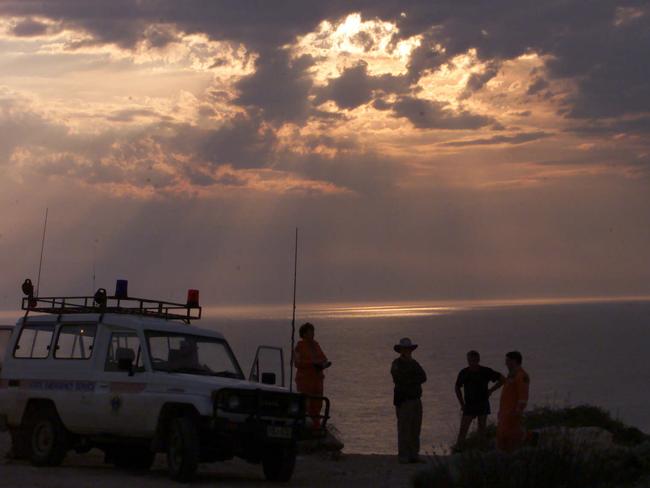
{"x": 379, "y": 308}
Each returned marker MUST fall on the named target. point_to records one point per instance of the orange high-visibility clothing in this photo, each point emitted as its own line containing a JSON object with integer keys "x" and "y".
{"x": 309, "y": 379}
{"x": 514, "y": 398}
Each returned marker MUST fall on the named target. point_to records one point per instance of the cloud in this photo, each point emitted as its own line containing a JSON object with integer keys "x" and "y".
{"x": 601, "y": 53}
{"x": 427, "y": 114}
{"x": 279, "y": 87}
{"x": 521, "y": 138}
{"x": 355, "y": 87}
{"x": 21, "y": 126}
{"x": 29, "y": 28}
{"x": 477, "y": 81}
{"x": 537, "y": 86}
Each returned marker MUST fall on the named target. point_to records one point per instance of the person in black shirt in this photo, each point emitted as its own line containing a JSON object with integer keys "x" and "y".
{"x": 408, "y": 377}
{"x": 475, "y": 402}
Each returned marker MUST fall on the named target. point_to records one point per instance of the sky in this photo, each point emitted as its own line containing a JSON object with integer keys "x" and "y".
{"x": 426, "y": 150}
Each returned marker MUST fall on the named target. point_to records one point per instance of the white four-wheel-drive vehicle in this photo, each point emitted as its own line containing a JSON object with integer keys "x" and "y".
{"x": 132, "y": 377}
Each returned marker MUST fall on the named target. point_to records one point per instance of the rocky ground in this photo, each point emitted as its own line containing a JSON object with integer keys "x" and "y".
{"x": 317, "y": 470}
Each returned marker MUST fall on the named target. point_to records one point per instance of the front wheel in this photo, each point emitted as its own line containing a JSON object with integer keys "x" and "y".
{"x": 183, "y": 449}
{"x": 279, "y": 463}
{"x": 48, "y": 440}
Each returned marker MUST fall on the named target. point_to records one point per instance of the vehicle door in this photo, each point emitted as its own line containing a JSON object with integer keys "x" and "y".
{"x": 268, "y": 366}
{"x": 70, "y": 381}
{"x": 120, "y": 398}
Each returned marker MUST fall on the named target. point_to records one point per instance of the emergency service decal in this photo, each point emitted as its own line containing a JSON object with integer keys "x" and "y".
{"x": 59, "y": 385}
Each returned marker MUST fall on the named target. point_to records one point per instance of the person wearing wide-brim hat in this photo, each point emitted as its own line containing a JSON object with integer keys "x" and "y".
{"x": 408, "y": 377}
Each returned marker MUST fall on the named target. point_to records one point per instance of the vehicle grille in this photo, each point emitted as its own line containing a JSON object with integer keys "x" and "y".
{"x": 260, "y": 403}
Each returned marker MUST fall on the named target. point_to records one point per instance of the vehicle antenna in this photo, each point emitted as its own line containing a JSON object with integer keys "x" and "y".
{"x": 94, "y": 260}
{"x": 40, "y": 263}
{"x": 293, "y": 317}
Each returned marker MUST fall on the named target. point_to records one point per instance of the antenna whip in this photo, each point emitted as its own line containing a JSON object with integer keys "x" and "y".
{"x": 293, "y": 317}
{"x": 40, "y": 263}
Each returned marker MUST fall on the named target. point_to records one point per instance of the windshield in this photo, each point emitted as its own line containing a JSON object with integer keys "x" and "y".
{"x": 184, "y": 353}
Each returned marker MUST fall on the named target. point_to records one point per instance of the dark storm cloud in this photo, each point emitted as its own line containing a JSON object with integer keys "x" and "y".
{"x": 279, "y": 87}
{"x": 29, "y": 28}
{"x": 243, "y": 143}
{"x": 355, "y": 87}
{"x": 600, "y": 44}
{"x": 513, "y": 140}
{"x": 259, "y": 24}
{"x": 426, "y": 114}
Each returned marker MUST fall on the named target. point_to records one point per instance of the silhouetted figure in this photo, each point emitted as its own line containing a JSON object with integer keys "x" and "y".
{"x": 408, "y": 377}
{"x": 473, "y": 392}
{"x": 310, "y": 363}
{"x": 514, "y": 398}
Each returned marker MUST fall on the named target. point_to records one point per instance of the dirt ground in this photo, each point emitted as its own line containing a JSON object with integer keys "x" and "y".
{"x": 89, "y": 471}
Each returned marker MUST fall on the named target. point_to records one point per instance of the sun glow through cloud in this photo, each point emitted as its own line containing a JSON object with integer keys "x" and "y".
{"x": 337, "y": 46}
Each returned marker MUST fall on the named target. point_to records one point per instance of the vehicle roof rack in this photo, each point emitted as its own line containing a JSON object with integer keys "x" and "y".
{"x": 112, "y": 304}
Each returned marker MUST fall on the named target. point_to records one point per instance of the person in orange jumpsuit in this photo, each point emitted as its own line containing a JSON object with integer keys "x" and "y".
{"x": 310, "y": 363}
{"x": 514, "y": 398}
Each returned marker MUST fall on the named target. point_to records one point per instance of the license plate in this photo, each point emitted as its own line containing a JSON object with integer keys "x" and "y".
{"x": 279, "y": 432}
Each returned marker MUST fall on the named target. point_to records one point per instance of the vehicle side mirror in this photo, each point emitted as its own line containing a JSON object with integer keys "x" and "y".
{"x": 268, "y": 378}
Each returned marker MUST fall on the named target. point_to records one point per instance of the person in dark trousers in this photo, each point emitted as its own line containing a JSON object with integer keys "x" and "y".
{"x": 408, "y": 377}
{"x": 473, "y": 392}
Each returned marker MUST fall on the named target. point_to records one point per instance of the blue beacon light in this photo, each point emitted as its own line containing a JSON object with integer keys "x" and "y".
{"x": 121, "y": 289}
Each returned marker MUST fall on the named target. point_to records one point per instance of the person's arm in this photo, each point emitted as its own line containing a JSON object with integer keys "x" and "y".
{"x": 402, "y": 375}
{"x": 459, "y": 391}
{"x": 321, "y": 355}
{"x": 523, "y": 387}
{"x": 421, "y": 375}
{"x": 498, "y": 380}
{"x": 320, "y": 361}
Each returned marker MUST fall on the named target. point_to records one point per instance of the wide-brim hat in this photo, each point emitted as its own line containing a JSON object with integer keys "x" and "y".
{"x": 405, "y": 343}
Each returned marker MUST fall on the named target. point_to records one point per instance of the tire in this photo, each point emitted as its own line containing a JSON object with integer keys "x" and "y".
{"x": 278, "y": 463}
{"x": 129, "y": 457}
{"x": 48, "y": 439}
{"x": 183, "y": 449}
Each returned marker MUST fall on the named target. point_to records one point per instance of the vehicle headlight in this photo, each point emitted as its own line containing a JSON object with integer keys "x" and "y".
{"x": 294, "y": 407}
{"x": 233, "y": 402}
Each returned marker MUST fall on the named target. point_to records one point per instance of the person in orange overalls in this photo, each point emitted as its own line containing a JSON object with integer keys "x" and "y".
{"x": 514, "y": 398}
{"x": 310, "y": 363}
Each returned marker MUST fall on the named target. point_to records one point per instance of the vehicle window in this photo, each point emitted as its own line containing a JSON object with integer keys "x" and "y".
{"x": 185, "y": 353}
{"x": 34, "y": 341}
{"x": 121, "y": 343}
{"x": 75, "y": 341}
{"x": 5, "y": 335}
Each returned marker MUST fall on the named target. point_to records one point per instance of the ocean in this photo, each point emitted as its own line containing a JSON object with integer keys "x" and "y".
{"x": 575, "y": 353}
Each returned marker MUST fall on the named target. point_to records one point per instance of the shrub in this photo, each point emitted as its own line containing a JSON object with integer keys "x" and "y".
{"x": 560, "y": 461}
